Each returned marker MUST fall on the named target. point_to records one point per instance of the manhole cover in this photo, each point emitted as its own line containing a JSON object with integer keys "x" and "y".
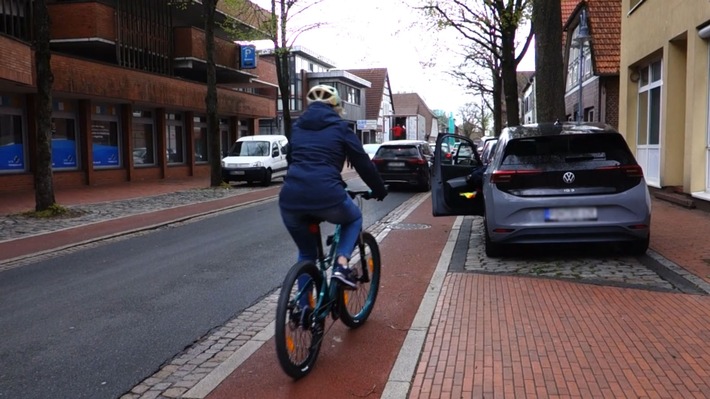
{"x": 408, "y": 226}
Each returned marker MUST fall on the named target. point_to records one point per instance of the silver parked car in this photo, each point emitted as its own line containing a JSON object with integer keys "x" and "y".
{"x": 551, "y": 183}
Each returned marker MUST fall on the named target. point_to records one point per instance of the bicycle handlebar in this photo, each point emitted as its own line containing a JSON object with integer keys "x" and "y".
{"x": 365, "y": 194}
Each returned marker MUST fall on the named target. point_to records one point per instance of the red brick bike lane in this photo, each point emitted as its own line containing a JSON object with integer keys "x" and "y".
{"x": 357, "y": 363}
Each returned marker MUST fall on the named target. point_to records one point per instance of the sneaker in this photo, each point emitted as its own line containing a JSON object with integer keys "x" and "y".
{"x": 345, "y": 276}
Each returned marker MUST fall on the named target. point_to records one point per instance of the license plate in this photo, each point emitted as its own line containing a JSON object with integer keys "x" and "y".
{"x": 397, "y": 164}
{"x": 570, "y": 214}
{"x": 236, "y": 172}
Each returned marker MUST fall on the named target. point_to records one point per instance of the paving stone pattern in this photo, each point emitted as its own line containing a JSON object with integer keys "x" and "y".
{"x": 610, "y": 269}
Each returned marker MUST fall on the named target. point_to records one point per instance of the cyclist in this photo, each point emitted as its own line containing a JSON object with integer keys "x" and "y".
{"x": 313, "y": 187}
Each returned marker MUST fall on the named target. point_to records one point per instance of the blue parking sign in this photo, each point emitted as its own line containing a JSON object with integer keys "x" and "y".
{"x": 248, "y": 57}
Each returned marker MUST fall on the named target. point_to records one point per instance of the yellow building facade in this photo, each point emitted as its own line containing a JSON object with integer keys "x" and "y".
{"x": 664, "y": 90}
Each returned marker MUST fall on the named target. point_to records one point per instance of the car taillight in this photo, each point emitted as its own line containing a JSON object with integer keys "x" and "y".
{"x": 416, "y": 161}
{"x": 505, "y": 176}
{"x": 634, "y": 171}
{"x": 377, "y": 161}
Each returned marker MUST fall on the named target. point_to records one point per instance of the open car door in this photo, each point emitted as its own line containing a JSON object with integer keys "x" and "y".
{"x": 455, "y": 157}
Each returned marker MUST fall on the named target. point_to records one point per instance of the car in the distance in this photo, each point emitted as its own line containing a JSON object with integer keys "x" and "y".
{"x": 256, "y": 158}
{"x": 488, "y": 151}
{"x": 405, "y": 162}
{"x": 550, "y": 184}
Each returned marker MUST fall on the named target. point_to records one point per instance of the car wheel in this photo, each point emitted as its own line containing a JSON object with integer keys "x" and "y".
{"x": 493, "y": 249}
{"x": 267, "y": 178}
{"x": 639, "y": 247}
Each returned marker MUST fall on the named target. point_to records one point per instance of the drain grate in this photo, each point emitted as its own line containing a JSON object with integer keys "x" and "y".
{"x": 408, "y": 226}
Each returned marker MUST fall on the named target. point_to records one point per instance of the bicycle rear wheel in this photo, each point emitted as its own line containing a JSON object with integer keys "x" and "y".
{"x": 356, "y": 305}
{"x": 298, "y": 333}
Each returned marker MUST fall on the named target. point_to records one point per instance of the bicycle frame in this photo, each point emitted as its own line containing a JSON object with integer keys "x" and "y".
{"x": 328, "y": 292}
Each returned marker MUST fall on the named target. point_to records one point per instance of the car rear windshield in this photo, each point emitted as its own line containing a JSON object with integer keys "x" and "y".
{"x": 571, "y": 151}
{"x": 397, "y": 152}
{"x": 250, "y": 149}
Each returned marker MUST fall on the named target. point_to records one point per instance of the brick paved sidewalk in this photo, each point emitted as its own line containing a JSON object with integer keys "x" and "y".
{"x": 520, "y": 337}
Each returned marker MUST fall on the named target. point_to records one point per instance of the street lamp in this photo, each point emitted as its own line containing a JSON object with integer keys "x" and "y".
{"x": 582, "y": 38}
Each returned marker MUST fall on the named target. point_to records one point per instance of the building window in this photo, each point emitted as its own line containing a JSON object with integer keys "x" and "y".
{"x": 104, "y": 135}
{"x": 143, "y": 137}
{"x": 573, "y": 64}
{"x": 144, "y": 35}
{"x": 12, "y": 135}
{"x": 226, "y": 141}
{"x": 64, "y": 137}
{"x": 649, "y": 103}
{"x": 201, "y": 142}
{"x": 353, "y": 96}
{"x": 13, "y": 18}
{"x": 174, "y": 138}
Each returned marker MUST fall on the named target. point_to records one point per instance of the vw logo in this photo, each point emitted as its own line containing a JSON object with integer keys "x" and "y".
{"x": 568, "y": 177}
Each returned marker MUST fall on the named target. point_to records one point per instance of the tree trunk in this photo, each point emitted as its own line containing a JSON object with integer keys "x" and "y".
{"x": 549, "y": 82}
{"x": 284, "y": 78}
{"x": 44, "y": 185}
{"x": 497, "y": 106}
{"x": 509, "y": 73}
{"x": 283, "y": 72}
{"x": 214, "y": 139}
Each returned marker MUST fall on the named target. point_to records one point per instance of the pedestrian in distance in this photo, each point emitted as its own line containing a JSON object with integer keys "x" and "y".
{"x": 397, "y": 132}
{"x": 320, "y": 143}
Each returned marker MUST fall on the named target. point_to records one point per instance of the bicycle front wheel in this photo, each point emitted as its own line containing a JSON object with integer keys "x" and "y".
{"x": 356, "y": 305}
{"x": 299, "y": 333}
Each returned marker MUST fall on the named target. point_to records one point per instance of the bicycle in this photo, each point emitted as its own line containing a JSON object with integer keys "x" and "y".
{"x": 307, "y": 297}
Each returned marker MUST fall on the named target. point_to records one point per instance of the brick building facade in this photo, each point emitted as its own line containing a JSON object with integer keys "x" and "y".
{"x": 129, "y": 85}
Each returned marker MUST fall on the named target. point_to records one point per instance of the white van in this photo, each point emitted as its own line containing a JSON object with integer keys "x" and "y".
{"x": 256, "y": 158}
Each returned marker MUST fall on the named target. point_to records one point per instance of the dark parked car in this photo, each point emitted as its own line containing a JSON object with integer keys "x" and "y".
{"x": 405, "y": 162}
{"x": 552, "y": 183}
{"x": 488, "y": 150}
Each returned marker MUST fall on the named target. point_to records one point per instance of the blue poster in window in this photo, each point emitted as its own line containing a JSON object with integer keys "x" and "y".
{"x": 105, "y": 155}
{"x": 248, "y": 57}
{"x": 63, "y": 153}
{"x": 11, "y": 157}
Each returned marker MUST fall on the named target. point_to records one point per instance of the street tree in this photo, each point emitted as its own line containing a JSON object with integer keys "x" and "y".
{"x": 280, "y": 26}
{"x": 549, "y": 87}
{"x": 476, "y": 119}
{"x": 243, "y": 9}
{"x": 210, "y": 8}
{"x": 283, "y": 37}
{"x": 481, "y": 74}
{"x": 43, "y": 176}
{"x": 492, "y": 26}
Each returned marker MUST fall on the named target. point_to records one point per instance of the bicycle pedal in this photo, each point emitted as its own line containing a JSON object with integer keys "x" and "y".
{"x": 329, "y": 240}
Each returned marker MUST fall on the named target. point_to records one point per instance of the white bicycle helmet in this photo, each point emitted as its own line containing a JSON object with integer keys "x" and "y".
{"x": 324, "y": 94}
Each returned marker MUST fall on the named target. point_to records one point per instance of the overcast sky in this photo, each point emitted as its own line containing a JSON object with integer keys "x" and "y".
{"x": 387, "y": 33}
